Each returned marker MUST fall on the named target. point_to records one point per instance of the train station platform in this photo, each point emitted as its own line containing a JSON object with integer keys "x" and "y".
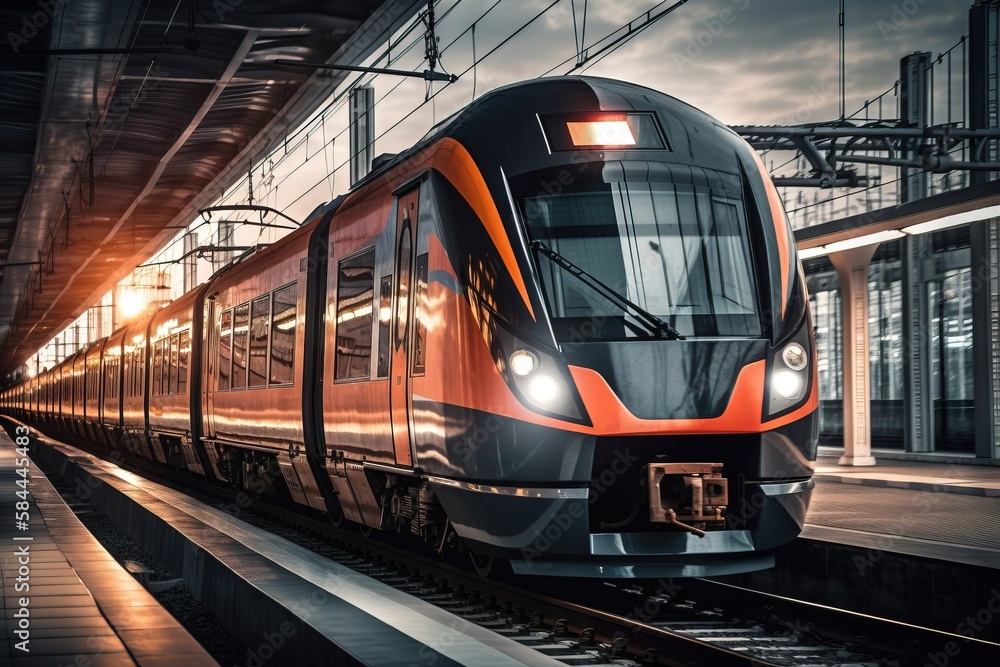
{"x": 947, "y": 511}
{"x": 305, "y": 605}
{"x": 66, "y": 601}
{"x": 917, "y": 542}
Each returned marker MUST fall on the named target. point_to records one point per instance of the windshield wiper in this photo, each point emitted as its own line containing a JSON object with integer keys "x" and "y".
{"x": 650, "y": 321}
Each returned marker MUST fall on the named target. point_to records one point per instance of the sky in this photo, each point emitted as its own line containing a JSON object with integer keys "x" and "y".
{"x": 743, "y": 61}
{"x": 761, "y": 61}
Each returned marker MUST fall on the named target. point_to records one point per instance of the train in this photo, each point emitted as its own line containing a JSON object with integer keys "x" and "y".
{"x": 568, "y": 329}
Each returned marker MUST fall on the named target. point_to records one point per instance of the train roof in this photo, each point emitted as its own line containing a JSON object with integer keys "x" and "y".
{"x": 504, "y": 124}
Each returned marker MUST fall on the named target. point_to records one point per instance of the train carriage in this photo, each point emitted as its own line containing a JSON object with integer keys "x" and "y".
{"x": 111, "y": 390}
{"x": 255, "y": 354}
{"x": 576, "y": 282}
{"x": 568, "y": 328}
{"x": 66, "y": 386}
{"x": 135, "y": 385}
{"x": 174, "y": 380}
{"x": 93, "y": 382}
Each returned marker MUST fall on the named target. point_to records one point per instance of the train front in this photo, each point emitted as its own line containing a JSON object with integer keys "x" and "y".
{"x": 651, "y": 316}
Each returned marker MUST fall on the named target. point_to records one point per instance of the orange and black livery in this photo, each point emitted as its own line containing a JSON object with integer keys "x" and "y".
{"x": 567, "y": 329}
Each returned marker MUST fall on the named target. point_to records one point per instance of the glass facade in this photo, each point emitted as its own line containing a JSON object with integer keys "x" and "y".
{"x": 886, "y": 356}
{"x": 824, "y": 303}
{"x": 945, "y": 284}
{"x": 950, "y": 306}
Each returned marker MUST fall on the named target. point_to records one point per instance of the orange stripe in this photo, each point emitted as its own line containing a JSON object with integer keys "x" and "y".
{"x": 742, "y": 415}
{"x": 455, "y": 163}
{"x": 781, "y": 231}
{"x": 477, "y": 384}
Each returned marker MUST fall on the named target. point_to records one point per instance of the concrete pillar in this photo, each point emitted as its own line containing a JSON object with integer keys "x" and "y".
{"x": 918, "y": 380}
{"x": 190, "y": 261}
{"x": 221, "y": 258}
{"x": 985, "y": 263}
{"x": 362, "y": 136}
{"x": 852, "y": 268}
{"x": 984, "y": 113}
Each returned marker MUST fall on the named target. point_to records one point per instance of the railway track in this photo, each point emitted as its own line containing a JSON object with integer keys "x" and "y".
{"x": 642, "y": 623}
{"x": 670, "y": 622}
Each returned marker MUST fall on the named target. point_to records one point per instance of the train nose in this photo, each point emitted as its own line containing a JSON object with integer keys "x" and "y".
{"x": 667, "y": 380}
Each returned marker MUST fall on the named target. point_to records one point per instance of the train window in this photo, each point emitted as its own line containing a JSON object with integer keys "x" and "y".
{"x": 171, "y": 387}
{"x": 109, "y": 385}
{"x": 183, "y": 350}
{"x": 140, "y": 370}
{"x": 260, "y": 312}
{"x": 355, "y": 293}
{"x": 679, "y": 251}
{"x": 127, "y": 373}
{"x": 90, "y": 382}
{"x": 420, "y": 315}
{"x": 384, "y": 320}
{"x": 225, "y": 350}
{"x": 403, "y": 285}
{"x": 157, "y": 366}
{"x": 241, "y": 324}
{"x": 284, "y": 303}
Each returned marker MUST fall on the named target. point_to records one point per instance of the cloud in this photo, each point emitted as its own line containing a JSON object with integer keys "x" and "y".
{"x": 743, "y": 61}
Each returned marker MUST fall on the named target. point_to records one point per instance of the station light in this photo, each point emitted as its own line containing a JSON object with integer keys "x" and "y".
{"x": 944, "y": 222}
{"x": 953, "y": 220}
{"x": 867, "y": 239}
{"x": 809, "y": 253}
{"x": 131, "y": 303}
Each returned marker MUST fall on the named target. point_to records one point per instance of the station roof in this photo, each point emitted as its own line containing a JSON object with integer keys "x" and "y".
{"x": 942, "y": 210}
{"x": 120, "y": 118}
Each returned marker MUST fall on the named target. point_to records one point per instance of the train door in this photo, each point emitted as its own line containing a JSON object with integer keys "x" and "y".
{"x": 209, "y": 376}
{"x": 400, "y": 399}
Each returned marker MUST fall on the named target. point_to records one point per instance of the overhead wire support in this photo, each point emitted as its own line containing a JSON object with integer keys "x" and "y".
{"x": 427, "y": 75}
{"x": 430, "y": 39}
{"x": 843, "y": 55}
{"x": 884, "y": 144}
{"x": 632, "y": 28}
{"x": 206, "y": 214}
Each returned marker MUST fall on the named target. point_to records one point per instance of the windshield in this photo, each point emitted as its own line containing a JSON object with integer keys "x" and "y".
{"x": 680, "y": 252}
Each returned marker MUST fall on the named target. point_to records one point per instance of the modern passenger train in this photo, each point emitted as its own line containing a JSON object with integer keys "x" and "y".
{"x": 568, "y": 329}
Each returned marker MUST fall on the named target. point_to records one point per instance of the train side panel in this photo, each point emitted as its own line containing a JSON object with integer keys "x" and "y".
{"x": 252, "y": 376}
{"x": 111, "y": 397}
{"x": 94, "y": 392}
{"x": 169, "y": 387}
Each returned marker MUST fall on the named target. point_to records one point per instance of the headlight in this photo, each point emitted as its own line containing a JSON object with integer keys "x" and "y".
{"x": 543, "y": 390}
{"x": 794, "y": 356}
{"x": 539, "y": 380}
{"x": 523, "y": 362}
{"x": 787, "y": 383}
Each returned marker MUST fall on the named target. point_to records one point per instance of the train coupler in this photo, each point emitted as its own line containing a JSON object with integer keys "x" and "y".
{"x": 687, "y": 495}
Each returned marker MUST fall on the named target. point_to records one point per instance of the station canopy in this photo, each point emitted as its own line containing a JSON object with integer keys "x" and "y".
{"x": 119, "y": 119}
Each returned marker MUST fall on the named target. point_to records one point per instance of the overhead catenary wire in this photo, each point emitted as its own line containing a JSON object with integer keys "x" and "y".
{"x": 295, "y": 139}
{"x": 393, "y": 53}
{"x": 514, "y": 34}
